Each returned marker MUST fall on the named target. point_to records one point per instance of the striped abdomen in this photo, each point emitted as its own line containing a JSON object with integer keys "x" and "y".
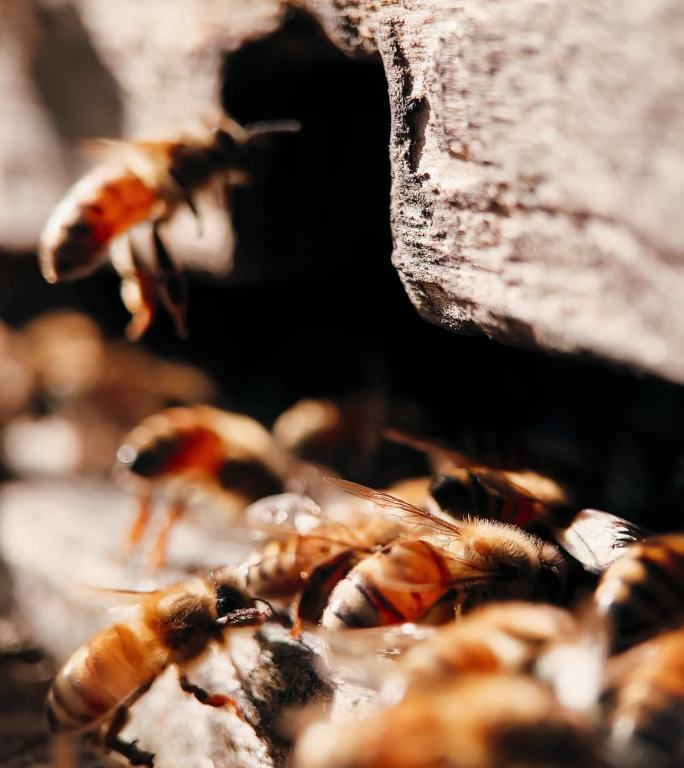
{"x": 461, "y": 492}
{"x": 104, "y": 204}
{"x": 377, "y": 592}
{"x": 100, "y": 676}
{"x": 643, "y": 591}
{"x": 197, "y": 449}
{"x": 282, "y": 568}
{"x": 649, "y": 705}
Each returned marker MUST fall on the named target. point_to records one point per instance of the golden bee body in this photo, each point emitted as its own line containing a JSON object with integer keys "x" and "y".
{"x": 282, "y": 568}
{"x": 173, "y": 626}
{"x": 493, "y": 638}
{"x": 642, "y": 592}
{"x": 647, "y": 718}
{"x": 472, "y": 562}
{"x": 478, "y": 721}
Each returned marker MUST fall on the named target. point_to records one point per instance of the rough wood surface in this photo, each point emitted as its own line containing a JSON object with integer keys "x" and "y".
{"x": 538, "y": 167}
{"x": 536, "y": 149}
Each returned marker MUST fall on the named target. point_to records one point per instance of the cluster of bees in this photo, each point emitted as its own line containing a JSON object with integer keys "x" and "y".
{"x": 496, "y": 646}
{"x": 514, "y": 629}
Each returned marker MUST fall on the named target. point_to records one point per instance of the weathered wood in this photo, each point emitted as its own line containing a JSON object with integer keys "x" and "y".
{"x": 538, "y": 167}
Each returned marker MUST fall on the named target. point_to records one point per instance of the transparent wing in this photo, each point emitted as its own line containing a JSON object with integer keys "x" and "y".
{"x": 597, "y": 538}
{"x": 408, "y": 513}
{"x": 284, "y": 514}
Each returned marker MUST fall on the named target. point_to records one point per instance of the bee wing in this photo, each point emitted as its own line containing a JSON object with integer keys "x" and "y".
{"x": 408, "y": 513}
{"x": 121, "y": 149}
{"x": 597, "y": 538}
{"x": 284, "y": 514}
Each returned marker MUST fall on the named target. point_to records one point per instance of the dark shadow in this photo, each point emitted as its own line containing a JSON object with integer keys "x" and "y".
{"x": 76, "y": 87}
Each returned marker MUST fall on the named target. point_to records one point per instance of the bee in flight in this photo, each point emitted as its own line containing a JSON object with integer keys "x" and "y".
{"x": 185, "y": 448}
{"x": 143, "y": 181}
{"x": 463, "y": 486}
{"x": 174, "y": 625}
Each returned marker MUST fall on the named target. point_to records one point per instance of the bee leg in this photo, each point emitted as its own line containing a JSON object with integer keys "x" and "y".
{"x": 137, "y": 529}
{"x": 172, "y": 288}
{"x": 129, "y": 749}
{"x": 209, "y": 699}
{"x": 161, "y": 545}
{"x": 138, "y": 286}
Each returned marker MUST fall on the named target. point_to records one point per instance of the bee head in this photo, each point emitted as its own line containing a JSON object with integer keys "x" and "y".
{"x": 234, "y": 606}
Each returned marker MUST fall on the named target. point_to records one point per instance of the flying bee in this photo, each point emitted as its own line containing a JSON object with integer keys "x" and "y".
{"x": 148, "y": 181}
{"x": 468, "y": 563}
{"x": 477, "y": 721}
{"x": 642, "y": 592}
{"x": 228, "y": 454}
{"x": 525, "y": 498}
{"x": 174, "y": 625}
{"x": 646, "y": 689}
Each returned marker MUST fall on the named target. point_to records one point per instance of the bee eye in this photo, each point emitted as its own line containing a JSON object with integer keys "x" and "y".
{"x": 228, "y": 600}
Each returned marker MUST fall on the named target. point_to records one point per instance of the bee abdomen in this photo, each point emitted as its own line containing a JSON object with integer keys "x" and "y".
{"x": 644, "y": 589}
{"x": 356, "y": 603}
{"x": 99, "y": 677}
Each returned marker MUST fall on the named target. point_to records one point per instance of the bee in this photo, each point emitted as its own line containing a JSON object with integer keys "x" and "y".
{"x": 198, "y": 446}
{"x": 642, "y": 592}
{"x": 525, "y": 498}
{"x": 308, "y": 553}
{"x": 174, "y": 625}
{"x": 646, "y": 719}
{"x": 475, "y": 721}
{"x": 468, "y": 563}
{"x": 493, "y": 638}
{"x": 148, "y": 181}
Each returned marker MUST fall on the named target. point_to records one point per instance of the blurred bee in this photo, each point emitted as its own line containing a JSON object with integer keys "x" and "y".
{"x": 478, "y": 721}
{"x": 642, "y": 592}
{"x": 646, "y": 685}
{"x": 524, "y": 498}
{"x": 468, "y": 563}
{"x": 148, "y": 181}
{"x": 198, "y": 446}
{"x": 493, "y": 638}
{"x": 174, "y": 625}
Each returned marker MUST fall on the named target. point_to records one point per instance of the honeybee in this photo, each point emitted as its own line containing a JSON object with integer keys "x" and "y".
{"x": 525, "y": 498}
{"x": 198, "y": 446}
{"x": 174, "y": 625}
{"x": 309, "y": 553}
{"x": 647, "y": 716}
{"x": 642, "y": 592}
{"x": 468, "y": 563}
{"x": 477, "y": 721}
{"x": 148, "y": 181}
